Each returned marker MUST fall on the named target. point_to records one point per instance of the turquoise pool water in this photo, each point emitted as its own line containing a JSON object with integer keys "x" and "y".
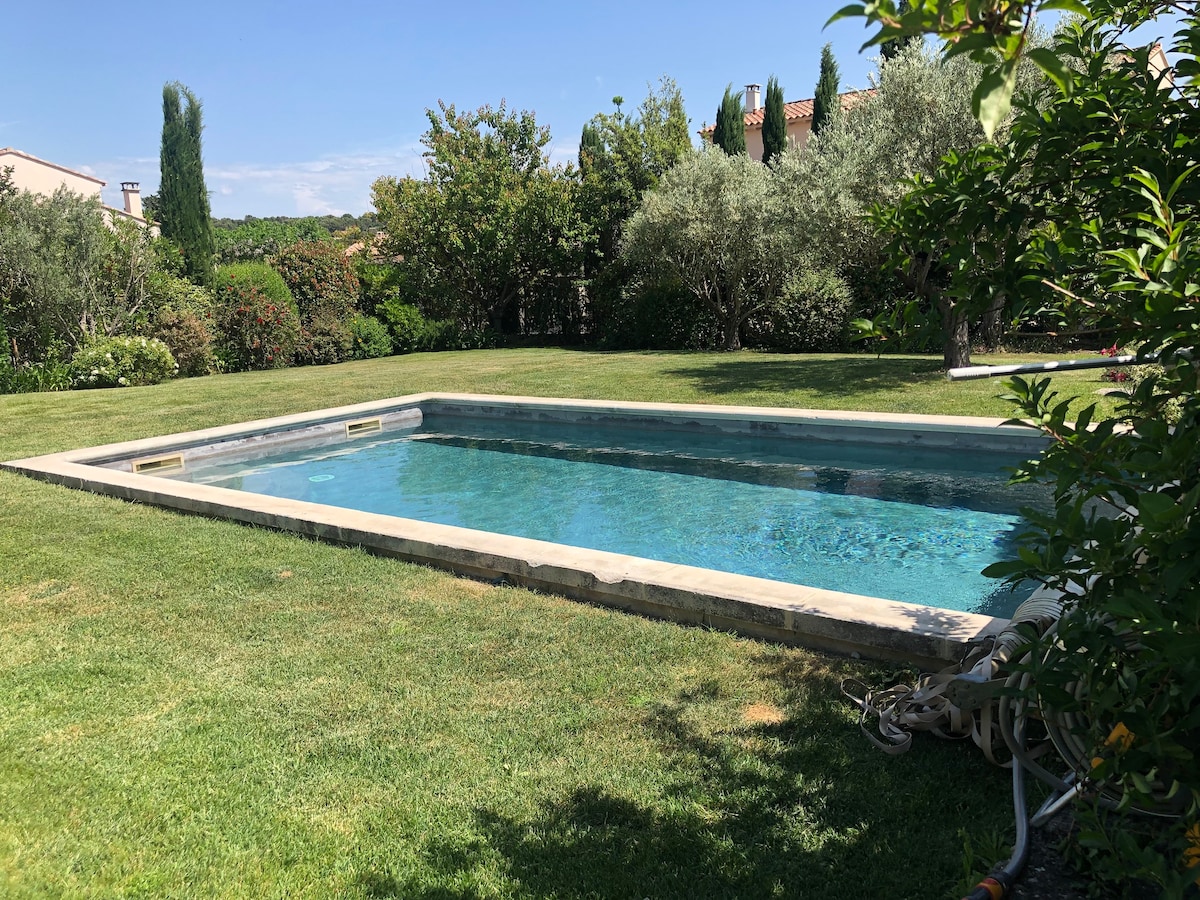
{"x": 890, "y": 522}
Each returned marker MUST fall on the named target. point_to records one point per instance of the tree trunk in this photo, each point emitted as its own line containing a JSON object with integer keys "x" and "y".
{"x": 991, "y": 330}
{"x": 956, "y": 353}
{"x": 733, "y": 340}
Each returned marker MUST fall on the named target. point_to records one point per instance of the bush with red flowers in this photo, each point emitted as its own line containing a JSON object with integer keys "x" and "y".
{"x": 257, "y": 323}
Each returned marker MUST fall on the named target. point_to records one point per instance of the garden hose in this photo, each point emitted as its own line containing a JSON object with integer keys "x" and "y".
{"x": 976, "y": 700}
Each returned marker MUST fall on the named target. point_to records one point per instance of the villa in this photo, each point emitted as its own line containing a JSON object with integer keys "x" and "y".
{"x": 39, "y": 176}
{"x": 798, "y": 113}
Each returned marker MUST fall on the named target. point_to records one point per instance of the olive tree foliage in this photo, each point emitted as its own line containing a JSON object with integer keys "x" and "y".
{"x": 921, "y": 110}
{"x": 66, "y": 277}
{"x": 714, "y": 224}
{"x": 1106, "y": 174}
{"x": 492, "y": 236}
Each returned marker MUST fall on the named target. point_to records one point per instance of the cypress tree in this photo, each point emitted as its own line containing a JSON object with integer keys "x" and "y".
{"x": 183, "y": 210}
{"x": 826, "y": 101}
{"x": 774, "y": 122}
{"x": 729, "y": 133}
{"x": 591, "y": 146}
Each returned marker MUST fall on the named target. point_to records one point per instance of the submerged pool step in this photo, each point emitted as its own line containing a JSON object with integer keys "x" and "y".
{"x": 927, "y": 489}
{"x": 773, "y": 474}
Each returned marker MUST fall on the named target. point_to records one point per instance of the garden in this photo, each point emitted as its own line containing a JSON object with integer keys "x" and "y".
{"x": 195, "y": 708}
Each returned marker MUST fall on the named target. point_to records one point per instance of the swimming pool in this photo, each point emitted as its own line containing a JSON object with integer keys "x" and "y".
{"x": 851, "y": 531}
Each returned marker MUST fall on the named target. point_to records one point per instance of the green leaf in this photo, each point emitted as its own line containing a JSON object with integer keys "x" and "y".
{"x": 992, "y": 99}
{"x": 1155, "y": 506}
{"x": 1071, "y": 6}
{"x": 846, "y": 12}
{"x": 1047, "y": 60}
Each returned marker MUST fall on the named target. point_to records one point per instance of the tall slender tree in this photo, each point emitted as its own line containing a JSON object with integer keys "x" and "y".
{"x": 729, "y": 133}
{"x": 774, "y": 122}
{"x": 826, "y": 102}
{"x": 183, "y": 210}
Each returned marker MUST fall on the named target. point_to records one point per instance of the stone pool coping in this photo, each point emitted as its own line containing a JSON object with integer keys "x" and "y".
{"x": 757, "y": 607}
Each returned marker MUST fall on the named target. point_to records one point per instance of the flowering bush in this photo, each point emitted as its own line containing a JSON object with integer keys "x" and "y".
{"x": 320, "y": 277}
{"x": 324, "y": 339}
{"x": 190, "y": 339}
{"x": 257, "y": 323}
{"x": 371, "y": 338}
{"x": 1114, "y": 375}
{"x": 121, "y": 362}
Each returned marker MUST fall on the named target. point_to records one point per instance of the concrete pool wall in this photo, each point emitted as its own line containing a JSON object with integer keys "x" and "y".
{"x": 822, "y": 619}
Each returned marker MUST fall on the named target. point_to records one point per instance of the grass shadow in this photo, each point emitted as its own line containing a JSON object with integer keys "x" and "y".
{"x": 774, "y": 806}
{"x": 837, "y": 376}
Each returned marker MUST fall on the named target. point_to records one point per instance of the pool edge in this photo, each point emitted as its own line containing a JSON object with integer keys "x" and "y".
{"x": 822, "y": 619}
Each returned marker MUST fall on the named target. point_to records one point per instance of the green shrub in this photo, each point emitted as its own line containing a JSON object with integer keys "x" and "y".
{"x": 266, "y": 281}
{"x": 190, "y": 339}
{"x": 411, "y": 332}
{"x": 321, "y": 279}
{"x": 121, "y": 362}
{"x": 324, "y": 339}
{"x": 165, "y": 291}
{"x": 651, "y": 314}
{"x": 377, "y": 283}
{"x": 51, "y": 375}
{"x": 450, "y": 334}
{"x": 810, "y": 316}
{"x": 257, "y": 323}
{"x": 370, "y": 338}
{"x": 405, "y": 323}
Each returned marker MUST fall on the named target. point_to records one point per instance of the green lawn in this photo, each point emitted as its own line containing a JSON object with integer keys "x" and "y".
{"x": 192, "y": 708}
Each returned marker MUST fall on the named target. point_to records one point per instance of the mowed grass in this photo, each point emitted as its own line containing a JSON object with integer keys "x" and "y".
{"x": 193, "y": 708}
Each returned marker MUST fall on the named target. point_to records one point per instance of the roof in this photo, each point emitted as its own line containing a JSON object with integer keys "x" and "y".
{"x": 799, "y": 109}
{"x": 9, "y": 151}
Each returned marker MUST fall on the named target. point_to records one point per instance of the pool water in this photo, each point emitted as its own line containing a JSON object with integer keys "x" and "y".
{"x": 883, "y": 521}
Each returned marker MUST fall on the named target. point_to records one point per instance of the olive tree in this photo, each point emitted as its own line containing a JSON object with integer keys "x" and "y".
{"x": 714, "y": 224}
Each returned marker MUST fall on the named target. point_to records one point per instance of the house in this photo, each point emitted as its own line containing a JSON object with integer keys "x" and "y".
{"x": 41, "y": 177}
{"x": 798, "y": 113}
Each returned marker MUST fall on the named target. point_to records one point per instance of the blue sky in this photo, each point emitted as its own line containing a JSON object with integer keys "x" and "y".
{"x": 306, "y": 104}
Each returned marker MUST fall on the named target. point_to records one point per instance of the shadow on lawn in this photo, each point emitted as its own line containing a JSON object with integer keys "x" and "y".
{"x": 773, "y": 806}
{"x": 837, "y": 376}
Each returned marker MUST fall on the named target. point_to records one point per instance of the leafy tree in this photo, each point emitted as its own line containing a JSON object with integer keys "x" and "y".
{"x": 827, "y": 98}
{"x": 774, "y": 130}
{"x": 714, "y": 225}
{"x": 1108, "y": 173}
{"x": 66, "y": 277}
{"x": 622, "y": 156}
{"x": 493, "y": 234}
{"x": 729, "y": 133}
{"x": 183, "y": 208}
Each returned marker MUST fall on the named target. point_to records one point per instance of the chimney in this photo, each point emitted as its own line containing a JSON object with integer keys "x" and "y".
{"x": 752, "y": 95}
{"x": 133, "y": 198}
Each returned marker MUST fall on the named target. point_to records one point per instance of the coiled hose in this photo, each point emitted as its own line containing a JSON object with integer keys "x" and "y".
{"x": 976, "y": 700}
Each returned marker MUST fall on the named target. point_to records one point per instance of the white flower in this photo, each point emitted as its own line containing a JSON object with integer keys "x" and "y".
{"x": 121, "y": 380}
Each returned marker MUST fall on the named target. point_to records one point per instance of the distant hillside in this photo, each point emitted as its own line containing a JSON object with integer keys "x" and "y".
{"x": 368, "y": 222}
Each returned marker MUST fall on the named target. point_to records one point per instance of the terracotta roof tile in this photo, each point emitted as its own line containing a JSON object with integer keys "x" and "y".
{"x": 799, "y": 109}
